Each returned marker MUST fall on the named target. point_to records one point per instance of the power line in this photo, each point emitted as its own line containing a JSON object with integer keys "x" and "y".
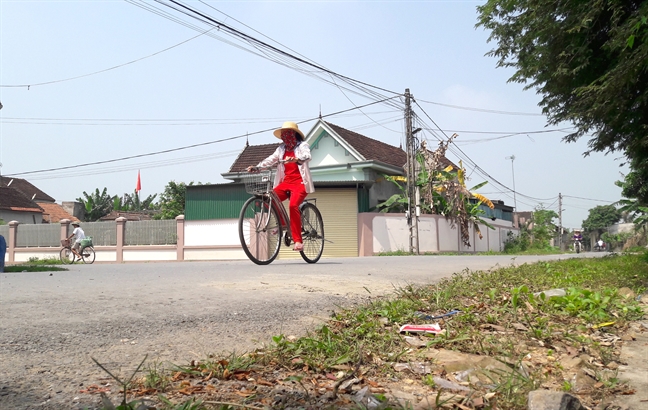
{"x": 589, "y": 199}
{"x": 185, "y": 146}
{"x": 459, "y": 107}
{"x": 477, "y": 167}
{"x": 265, "y": 50}
{"x": 157, "y": 122}
{"x": 107, "y": 69}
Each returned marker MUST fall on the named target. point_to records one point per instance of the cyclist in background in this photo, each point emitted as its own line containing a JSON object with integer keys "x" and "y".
{"x": 293, "y": 178}
{"x": 78, "y": 236}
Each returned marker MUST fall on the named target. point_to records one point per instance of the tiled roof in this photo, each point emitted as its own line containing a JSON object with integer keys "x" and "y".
{"x": 370, "y": 148}
{"x": 53, "y": 213}
{"x": 252, "y": 155}
{"x": 13, "y": 200}
{"x": 24, "y": 186}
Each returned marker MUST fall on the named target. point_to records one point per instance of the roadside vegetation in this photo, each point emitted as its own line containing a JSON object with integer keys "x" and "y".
{"x": 37, "y": 265}
{"x": 499, "y": 339}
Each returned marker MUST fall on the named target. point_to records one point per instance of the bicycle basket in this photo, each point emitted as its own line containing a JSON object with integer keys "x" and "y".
{"x": 258, "y": 183}
{"x": 86, "y": 242}
{"x": 65, "y": 243}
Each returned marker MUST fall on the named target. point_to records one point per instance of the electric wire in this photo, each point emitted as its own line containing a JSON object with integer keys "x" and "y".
{"x": 477, "y": 167}
{"x": 137, "y": 166}
{"x": 483, "y": 109}
{"x": 588, "y": 199}
{"x": 276, "y": 54}
{"x": 104, "y": 70}
{"x": 182, "y": 147}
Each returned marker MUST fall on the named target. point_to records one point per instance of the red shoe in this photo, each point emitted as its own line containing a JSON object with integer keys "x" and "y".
{"x": 298, "y": 247}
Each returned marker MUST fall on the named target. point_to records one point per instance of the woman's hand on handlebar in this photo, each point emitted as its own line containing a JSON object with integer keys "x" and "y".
{"x": 252, "y": 168}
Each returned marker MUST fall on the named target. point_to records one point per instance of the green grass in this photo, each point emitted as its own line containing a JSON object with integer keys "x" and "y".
{"x": 37, "y": 265}
{"x": 45, "y": 261}
{"x": 33, "y": 268}
{"x": 364, "y": 340}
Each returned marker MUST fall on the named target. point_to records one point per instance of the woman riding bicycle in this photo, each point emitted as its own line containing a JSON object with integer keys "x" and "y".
{"x": 293, "y": 178}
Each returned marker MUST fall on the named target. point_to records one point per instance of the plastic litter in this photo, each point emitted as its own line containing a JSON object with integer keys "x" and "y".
{"x": 429, "y": 317}
{"x": 367, "y": 399}
{"x": 433, "y": 328}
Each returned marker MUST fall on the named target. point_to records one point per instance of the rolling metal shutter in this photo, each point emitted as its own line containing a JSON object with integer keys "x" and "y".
{"x": 339, "y": 209}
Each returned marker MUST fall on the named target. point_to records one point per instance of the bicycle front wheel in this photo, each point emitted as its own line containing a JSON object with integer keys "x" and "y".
{"x": 259, "y": 231}
{"x": 88, "y": 254}
{"x": 67, "y": 257}
{"x": 312, "y": 233}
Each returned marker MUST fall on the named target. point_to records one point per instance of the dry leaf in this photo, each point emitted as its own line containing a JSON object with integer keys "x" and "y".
{"x": 240, "y": 375}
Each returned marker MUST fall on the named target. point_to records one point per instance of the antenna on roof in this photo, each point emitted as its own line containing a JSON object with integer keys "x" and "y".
{"x": 10, "y": 182}
{"x": 34, "y": 196}
{"x": 320, "y": 116}
{"x": 247, "y": 143}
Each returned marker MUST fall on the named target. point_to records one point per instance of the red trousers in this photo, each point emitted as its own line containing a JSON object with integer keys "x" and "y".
{"x": 297, "y": 196}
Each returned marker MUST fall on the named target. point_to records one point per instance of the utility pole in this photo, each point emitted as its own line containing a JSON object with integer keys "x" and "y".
{"x": 560, "y": 227}
{"x": 512, "y": 158}
{"x": 412, "y": 191}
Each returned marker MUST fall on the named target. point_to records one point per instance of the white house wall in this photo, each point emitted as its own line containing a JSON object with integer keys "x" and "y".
{"x": 390, "y": 233}
{"x": 219, "y": 232}
{"x": 327, "y": 153}
{"x": 22, "y": 217}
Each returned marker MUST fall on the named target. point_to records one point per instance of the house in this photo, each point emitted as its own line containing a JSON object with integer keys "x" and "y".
{"x": 26, "y": 188}
{"x": 347, "y": 170}
{"x": 54, "y": 213}
{"x": 15, "y": 206}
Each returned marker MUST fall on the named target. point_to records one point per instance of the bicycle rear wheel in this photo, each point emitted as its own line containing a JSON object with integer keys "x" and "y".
{"x": 88, "y": 254}
{"x": 259, "y": 231}
{"x": 67, "y": 257}
{"x": 312, "y": 233}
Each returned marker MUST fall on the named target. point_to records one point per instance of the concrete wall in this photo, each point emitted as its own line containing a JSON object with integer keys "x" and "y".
{"x": 218, "y": 240}
{"x": 21, "y": 217}
{"x": 380, "y": 232}
{"x": 620, "y": 228}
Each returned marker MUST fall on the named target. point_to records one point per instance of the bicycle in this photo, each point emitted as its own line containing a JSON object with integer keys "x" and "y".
{"x": 86, "y": 250}
{"x": 264, "y": 223}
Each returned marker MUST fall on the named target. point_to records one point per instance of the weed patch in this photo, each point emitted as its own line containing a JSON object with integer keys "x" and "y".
{"x": 509, "y": 338}
{"x": 33, "y": 268}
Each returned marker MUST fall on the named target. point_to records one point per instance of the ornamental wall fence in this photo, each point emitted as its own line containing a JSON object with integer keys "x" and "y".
{"x": 178, "y": 240}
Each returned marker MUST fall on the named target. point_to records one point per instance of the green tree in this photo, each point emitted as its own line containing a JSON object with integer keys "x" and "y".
{"x": 544, "y": 228}
{"x": 600, "y": 217}
{"x": 172, "y": 200}
{"x": 588, "y": 61}
{"x": 442, "y": 192}
{"x": 134, "y": 203}
{"x": 97, "y": 204}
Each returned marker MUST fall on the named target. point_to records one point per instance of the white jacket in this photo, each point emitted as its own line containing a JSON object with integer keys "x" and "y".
{"x": 302, "y": 153}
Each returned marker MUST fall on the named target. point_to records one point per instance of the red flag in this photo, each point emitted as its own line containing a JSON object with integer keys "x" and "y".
{"x": 139, "y": 183}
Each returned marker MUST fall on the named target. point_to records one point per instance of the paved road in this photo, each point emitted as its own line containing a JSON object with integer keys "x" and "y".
{"x": 51, "y": 324}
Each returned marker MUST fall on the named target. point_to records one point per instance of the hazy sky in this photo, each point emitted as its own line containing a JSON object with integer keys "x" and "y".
{"x": 206, "y": 90}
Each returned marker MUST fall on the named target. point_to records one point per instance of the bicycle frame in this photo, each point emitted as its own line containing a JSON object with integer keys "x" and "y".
{"x": 281, "y": 210}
